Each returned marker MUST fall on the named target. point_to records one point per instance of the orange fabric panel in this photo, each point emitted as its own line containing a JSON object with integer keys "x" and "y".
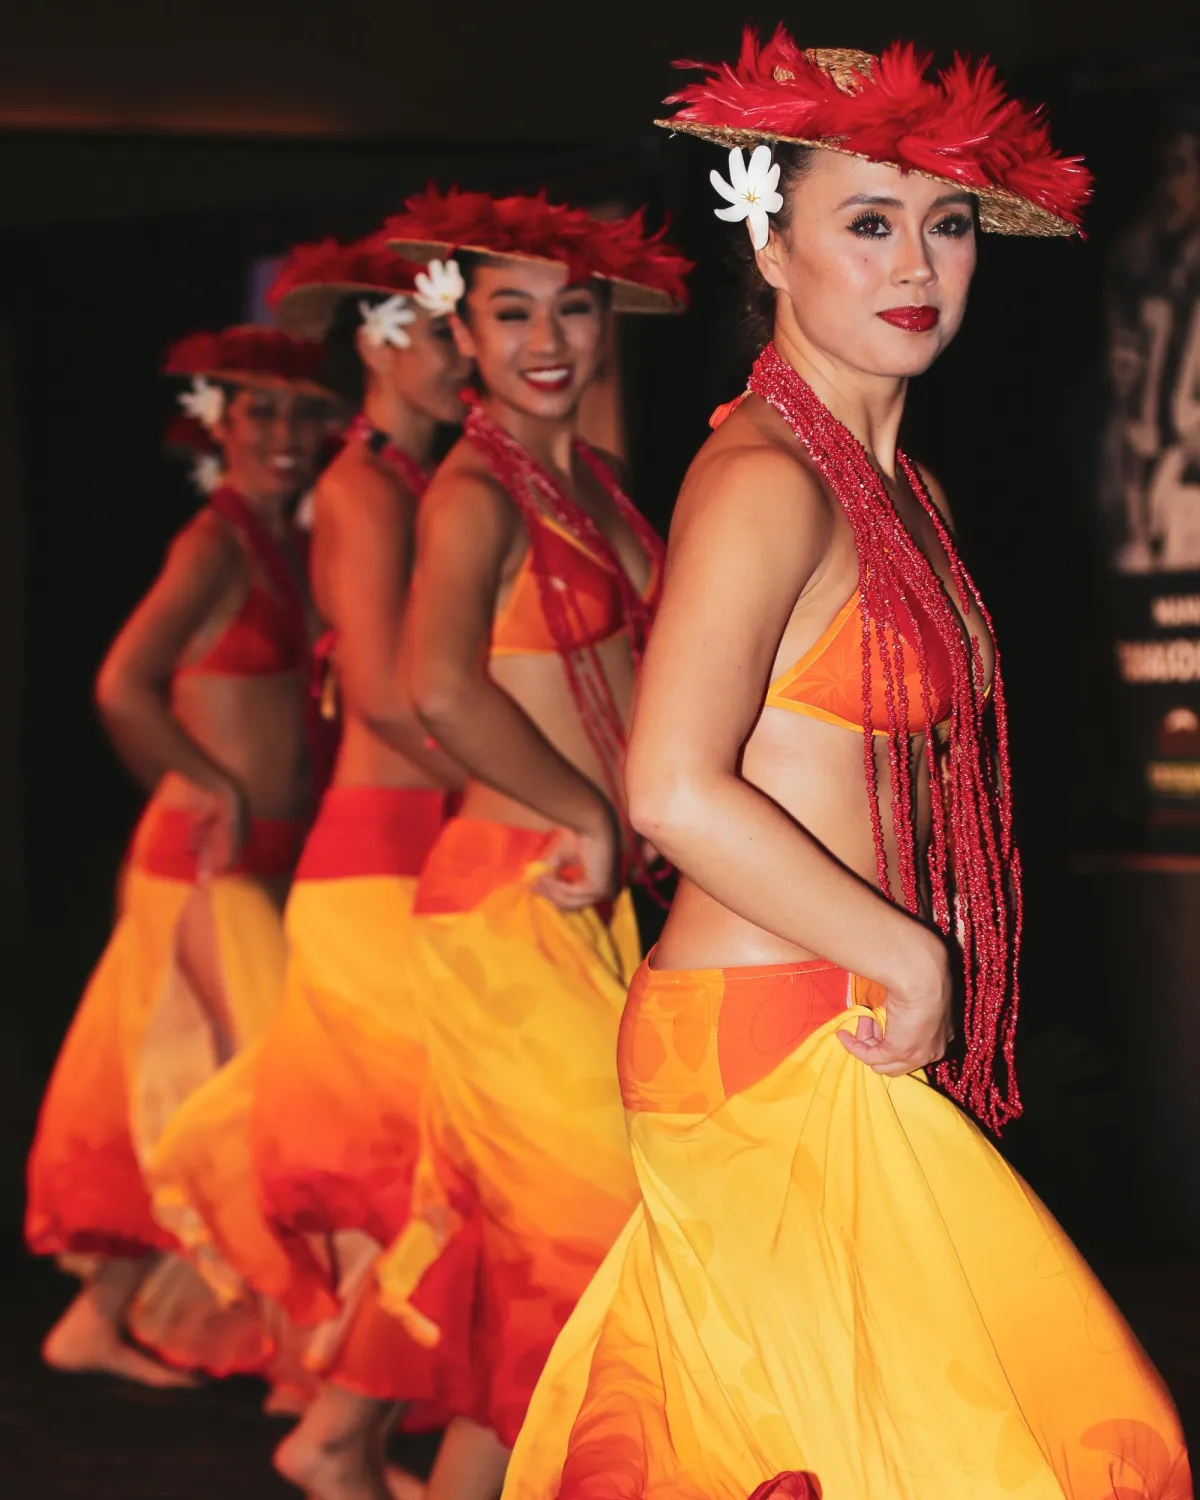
{"x": 168, "y": 844}
{"x": 472, "y": 859}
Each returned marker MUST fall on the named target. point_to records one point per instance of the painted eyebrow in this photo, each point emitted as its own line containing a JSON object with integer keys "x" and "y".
{"x": 509, "y": 291}
{"x": 881, "y": 200}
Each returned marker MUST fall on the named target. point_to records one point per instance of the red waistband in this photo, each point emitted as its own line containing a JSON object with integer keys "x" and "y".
{"x": 170, "y": 840}
{"x": 472, "y": 858}
{"x": 372, "y": 830}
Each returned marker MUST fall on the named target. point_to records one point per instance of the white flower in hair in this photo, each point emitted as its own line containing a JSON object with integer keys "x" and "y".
{"x": 440, "y": 287}
{"x": 305, "y": 515}
{"x": 752, "y": 192}
{"x": 385, "y": 322}
{"x": 208, "y": 475}
{"x": 204, "y": 403}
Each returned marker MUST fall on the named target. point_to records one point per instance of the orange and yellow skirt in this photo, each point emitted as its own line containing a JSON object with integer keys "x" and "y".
{"x": 525, "y": 1168}
{"x": 144, "y": 1038}
{"x": 290, "y": 1170}
{"x": 833, "y": 1286}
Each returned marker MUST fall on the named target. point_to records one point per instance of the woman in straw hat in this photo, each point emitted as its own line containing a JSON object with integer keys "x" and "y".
{"x": 319, "y": 1126}
{"x": 833, "y": 1284}
{"x": 533, "y": 591}
{"x": 204, "y": 694}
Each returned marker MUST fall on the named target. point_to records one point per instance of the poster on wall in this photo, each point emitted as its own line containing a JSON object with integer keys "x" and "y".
{"x": 1150, "y": 495}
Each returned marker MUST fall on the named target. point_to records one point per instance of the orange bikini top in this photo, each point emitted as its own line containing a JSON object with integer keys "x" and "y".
{"x": 521, "y": 627}
{"x": 269, "y": 634}
{"x": 827, "y": 682}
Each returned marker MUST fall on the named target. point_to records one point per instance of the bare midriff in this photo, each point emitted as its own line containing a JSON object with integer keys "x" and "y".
{"x": 538, "y": 684}
{"x": 253, "y": 727}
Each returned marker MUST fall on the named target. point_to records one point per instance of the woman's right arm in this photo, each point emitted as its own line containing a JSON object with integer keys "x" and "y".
{"x": 465, "y": 531}
{"x": 750, "y": 529}
{"x": 133, "y": 683}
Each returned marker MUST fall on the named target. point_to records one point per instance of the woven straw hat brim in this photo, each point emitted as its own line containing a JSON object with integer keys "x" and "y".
{"x": 262, "y": 380}
{"x": 1000, "y": 212}
{"x": 307, "y": 312}
{"x": 627, "y": 296}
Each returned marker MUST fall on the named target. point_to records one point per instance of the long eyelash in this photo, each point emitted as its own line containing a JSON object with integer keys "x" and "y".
{"x": 954, "y": 226}
{"x": 869, "y": 216}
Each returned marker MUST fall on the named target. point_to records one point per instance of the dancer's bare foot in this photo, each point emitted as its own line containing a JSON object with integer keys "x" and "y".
{"x": 85, "y": 1341}
{"x": 332, "y": 1470}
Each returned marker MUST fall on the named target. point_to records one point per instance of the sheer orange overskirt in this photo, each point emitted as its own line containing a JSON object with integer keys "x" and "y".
{"x": 524, "y": 1159}
{"x": 833, "y": 1286}
{"x": 143, "y": 1040}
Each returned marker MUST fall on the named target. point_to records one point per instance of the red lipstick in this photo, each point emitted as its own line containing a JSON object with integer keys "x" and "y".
{"x": 911, "y": 319}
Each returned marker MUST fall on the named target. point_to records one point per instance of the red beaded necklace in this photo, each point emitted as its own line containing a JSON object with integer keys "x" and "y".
{"x": 972, "y": 861}
{"x": 403, "y": 465}
{"x": 537, "y": 494}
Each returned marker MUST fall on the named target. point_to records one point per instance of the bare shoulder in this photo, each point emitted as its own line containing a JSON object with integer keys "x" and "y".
{"x": 355, "y": 483}
{"x": 466, "y": 492}
{"x": 752, "y": 476}
{"x": 207, "y": 543}
{"x": 937, "y": 494}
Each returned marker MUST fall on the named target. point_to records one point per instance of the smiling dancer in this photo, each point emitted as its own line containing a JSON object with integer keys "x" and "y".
{"x": 533, "y": 592}
{"x": 293, "y": 1168}
{"x": 834, "y": 1285}
{"x": 203, "y": 694}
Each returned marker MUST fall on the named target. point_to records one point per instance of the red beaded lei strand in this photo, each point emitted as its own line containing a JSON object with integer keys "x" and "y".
{"x": 410, "y": 473}
{"x": 975, "y": 877}
{"x": 538, "y": 495}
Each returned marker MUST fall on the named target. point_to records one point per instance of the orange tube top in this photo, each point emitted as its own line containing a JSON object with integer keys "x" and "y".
{"x": 827, "y": 682}
{"x": 521, "y": 628}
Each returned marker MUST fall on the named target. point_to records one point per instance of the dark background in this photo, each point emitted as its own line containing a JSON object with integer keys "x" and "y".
{"x": 148, "y": 154}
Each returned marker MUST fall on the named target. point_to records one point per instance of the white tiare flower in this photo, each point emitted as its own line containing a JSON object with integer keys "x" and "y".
{"x": 752, "y": 192}
{"x": 208, "y": 474}
{"x": 440, "y": 287}
{"x": 204, "y": 403}
{"x": 305, "y": 515}
{"x": 385, "y": 322}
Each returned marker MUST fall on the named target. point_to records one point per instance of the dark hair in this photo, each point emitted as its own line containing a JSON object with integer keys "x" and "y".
{"x": 341, "y": 367}
{"x": 469, "y": 262}
{"x": 758, "y": 299}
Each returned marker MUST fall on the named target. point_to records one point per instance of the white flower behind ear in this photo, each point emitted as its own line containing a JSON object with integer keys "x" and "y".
{"x": 752, "y": 192}
{"x": 305, "y": 515}
{"x": 440, "y": 287}
{"x": 204, "y": 403}
{"x": 208, "y": 473}
{"x": 386, "y": 322}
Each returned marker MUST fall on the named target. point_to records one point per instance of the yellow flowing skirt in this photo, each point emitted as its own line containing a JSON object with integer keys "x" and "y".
{"x": 145, "y": 1037}
{"x": 525, "y": 1166}
{"x": 833, "y": 1286}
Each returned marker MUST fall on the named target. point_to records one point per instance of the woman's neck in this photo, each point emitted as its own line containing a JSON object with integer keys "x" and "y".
{"x": 411, "y": 430}
{"x": 272, "y": 510}
{"x": 552, "y": 443}
{"x": 871, "y": 406}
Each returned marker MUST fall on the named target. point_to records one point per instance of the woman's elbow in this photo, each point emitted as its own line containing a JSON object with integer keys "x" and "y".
{"x": 438, "y": 696}
{"x": 662, "y": 799}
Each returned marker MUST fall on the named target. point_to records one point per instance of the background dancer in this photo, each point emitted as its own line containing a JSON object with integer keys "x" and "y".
{"x": 204, "y": 695}
{"x": 534, "y": 588}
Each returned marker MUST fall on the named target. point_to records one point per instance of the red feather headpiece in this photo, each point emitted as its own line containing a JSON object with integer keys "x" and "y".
{"x": 248, "y": 355}
{"x": 959, "y": 128}
{"x": 314, "y": 279}
{"x": 646, "y": 273}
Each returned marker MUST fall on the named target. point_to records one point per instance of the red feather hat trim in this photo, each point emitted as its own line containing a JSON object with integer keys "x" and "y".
{"x": 248, "y": 355}
{"x": 959, "y": 127}
{"x": 314, "y": 279}
{"x": 647, "y": 274}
